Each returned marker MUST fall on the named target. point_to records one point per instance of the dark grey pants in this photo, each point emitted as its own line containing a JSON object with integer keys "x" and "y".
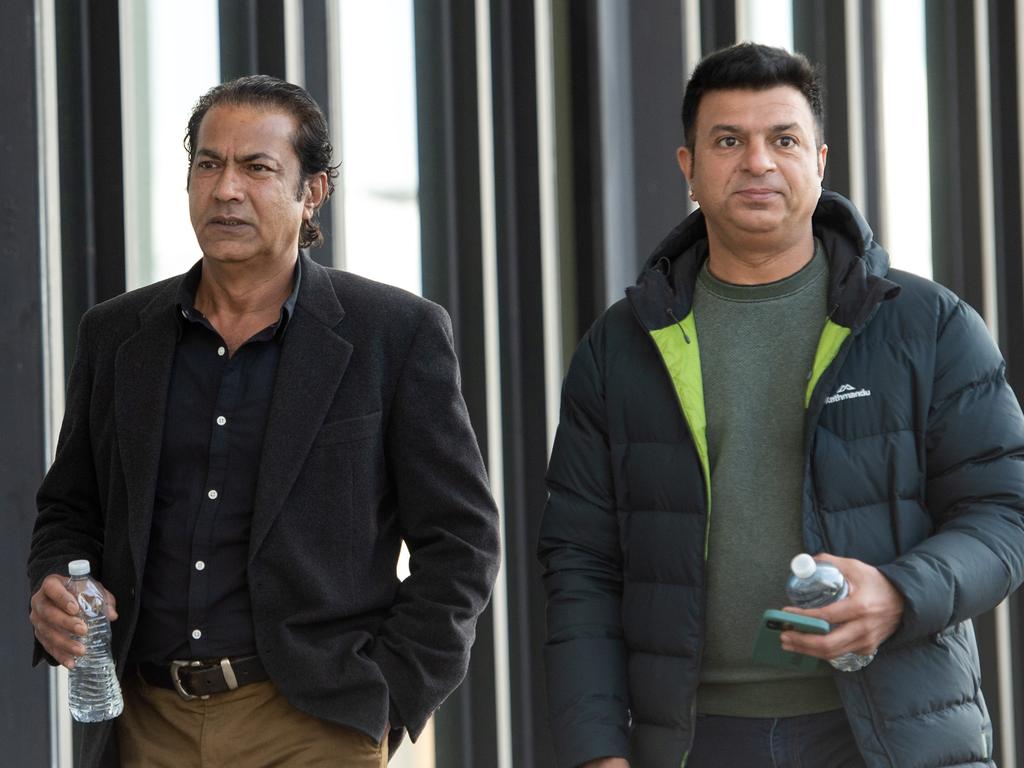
{"x": 807, "y": 741}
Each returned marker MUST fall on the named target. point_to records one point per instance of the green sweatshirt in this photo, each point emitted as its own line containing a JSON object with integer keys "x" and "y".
{"x": 757, "y": 345}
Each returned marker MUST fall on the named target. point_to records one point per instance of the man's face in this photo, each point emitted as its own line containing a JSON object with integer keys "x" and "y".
{"x": 244, "y": 186}
{"x": 755, "y": 167}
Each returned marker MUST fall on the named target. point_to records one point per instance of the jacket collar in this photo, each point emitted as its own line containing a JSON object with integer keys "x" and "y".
{"x": 142, "y": 372}
{"x": 314, "y": 358}
{"x": 858, "y": 266}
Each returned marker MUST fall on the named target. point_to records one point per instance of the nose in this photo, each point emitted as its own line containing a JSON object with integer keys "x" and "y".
{"x": 758, "y": 158}
{"x": 228, "y": 186}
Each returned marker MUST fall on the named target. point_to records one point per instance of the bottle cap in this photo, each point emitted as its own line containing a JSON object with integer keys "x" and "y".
{"x": 803, "y": 566}
{"x": 78, "y": 567}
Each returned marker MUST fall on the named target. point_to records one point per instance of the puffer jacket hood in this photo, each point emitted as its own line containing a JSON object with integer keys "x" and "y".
{"x": 857, "y": 268}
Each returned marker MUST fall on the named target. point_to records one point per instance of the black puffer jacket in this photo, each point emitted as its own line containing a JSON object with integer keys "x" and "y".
{"x": 914, "y": 464}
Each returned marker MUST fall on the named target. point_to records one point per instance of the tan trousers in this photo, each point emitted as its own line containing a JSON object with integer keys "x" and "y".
{"x": 251, "y": 727}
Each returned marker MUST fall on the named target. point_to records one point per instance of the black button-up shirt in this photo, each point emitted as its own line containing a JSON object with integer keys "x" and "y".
{"x": 195, "y": 594}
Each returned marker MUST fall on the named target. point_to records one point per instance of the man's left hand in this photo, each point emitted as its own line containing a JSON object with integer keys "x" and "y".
{"x": 868, "y": 615}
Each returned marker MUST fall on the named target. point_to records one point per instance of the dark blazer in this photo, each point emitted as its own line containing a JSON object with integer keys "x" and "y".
{"x": 368, "y": 442}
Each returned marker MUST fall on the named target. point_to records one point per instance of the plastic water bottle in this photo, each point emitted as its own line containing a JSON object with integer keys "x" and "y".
{"x": 814, "y": 585}
{"x": 94, "y": 693}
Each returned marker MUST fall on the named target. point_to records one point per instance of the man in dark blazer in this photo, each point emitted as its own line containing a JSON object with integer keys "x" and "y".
{"x": 243, "y": 450}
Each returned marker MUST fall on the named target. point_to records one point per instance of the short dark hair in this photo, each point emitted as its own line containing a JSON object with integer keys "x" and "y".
{"x": 311, "y": 141}
{"x": 752, "y": 67}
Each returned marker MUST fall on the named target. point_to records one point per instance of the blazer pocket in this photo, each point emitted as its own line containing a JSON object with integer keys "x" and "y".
{"x": 349, "y": 430}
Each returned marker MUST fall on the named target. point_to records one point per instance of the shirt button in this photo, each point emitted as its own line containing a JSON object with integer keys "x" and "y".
{"x": 196, "y": 634}
{"x": 200, "y": 565}
{"x": 212, "y": 494}
{"x": 221, "y": 421}
{"x": 221, "y": 351}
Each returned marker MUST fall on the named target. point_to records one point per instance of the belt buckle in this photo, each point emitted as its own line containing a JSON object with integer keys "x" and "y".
{"x": 176, "y": 667}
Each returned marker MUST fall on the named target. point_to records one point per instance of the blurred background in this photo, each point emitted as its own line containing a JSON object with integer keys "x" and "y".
{"x": 512, "y": 160}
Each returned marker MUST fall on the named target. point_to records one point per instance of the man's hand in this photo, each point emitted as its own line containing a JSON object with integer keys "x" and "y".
{"x": 54, "y": 617}
{"x": 868, "y": 615}
{"x": 607, "y": 762}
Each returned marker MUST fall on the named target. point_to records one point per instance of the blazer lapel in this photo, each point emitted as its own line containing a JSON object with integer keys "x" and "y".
{"x": 313, "y": 361}
{"x": 142, "y": 372}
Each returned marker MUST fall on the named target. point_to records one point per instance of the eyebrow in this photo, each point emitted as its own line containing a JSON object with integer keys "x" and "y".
{"x": 202, "y": 152}
{"x": 779, "y": 128}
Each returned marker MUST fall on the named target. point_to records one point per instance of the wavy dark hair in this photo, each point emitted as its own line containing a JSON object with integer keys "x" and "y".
{"x": 311, "y": 141}
{"x": 753, "y": 67}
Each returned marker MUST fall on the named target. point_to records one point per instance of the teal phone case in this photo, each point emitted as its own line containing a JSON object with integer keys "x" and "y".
{"x": 767, "y": 648}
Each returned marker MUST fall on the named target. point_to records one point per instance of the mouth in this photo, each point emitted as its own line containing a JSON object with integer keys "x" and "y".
{"x": 758, "y": 193}
{"x": 228, "y": 221}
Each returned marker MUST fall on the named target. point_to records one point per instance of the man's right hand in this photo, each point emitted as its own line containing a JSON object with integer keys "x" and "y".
{"x": 54, "y": 617}
{"x": 607, "y": 762}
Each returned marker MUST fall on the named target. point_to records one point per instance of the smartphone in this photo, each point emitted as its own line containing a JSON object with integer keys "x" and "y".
{"x": 768, "y": 649}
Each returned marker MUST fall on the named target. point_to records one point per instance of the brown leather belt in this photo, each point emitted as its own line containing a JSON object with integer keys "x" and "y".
{"x": 201, "y": 679}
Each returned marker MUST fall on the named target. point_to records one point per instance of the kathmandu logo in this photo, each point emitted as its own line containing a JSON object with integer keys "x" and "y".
{"x": 847, "y": 392}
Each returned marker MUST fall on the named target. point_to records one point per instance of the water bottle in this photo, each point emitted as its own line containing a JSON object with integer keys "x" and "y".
{"x": 94, "y": 693}
{"x": 813, "y": 585}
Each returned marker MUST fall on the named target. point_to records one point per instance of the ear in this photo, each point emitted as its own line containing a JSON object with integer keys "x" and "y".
{"x": 685, "y": 159}
{"x": 315, "y": 195}
{"x": 822, "y": 156}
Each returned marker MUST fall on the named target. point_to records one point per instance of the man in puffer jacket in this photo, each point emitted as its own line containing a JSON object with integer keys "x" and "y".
{"x": 771, "y": 386}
